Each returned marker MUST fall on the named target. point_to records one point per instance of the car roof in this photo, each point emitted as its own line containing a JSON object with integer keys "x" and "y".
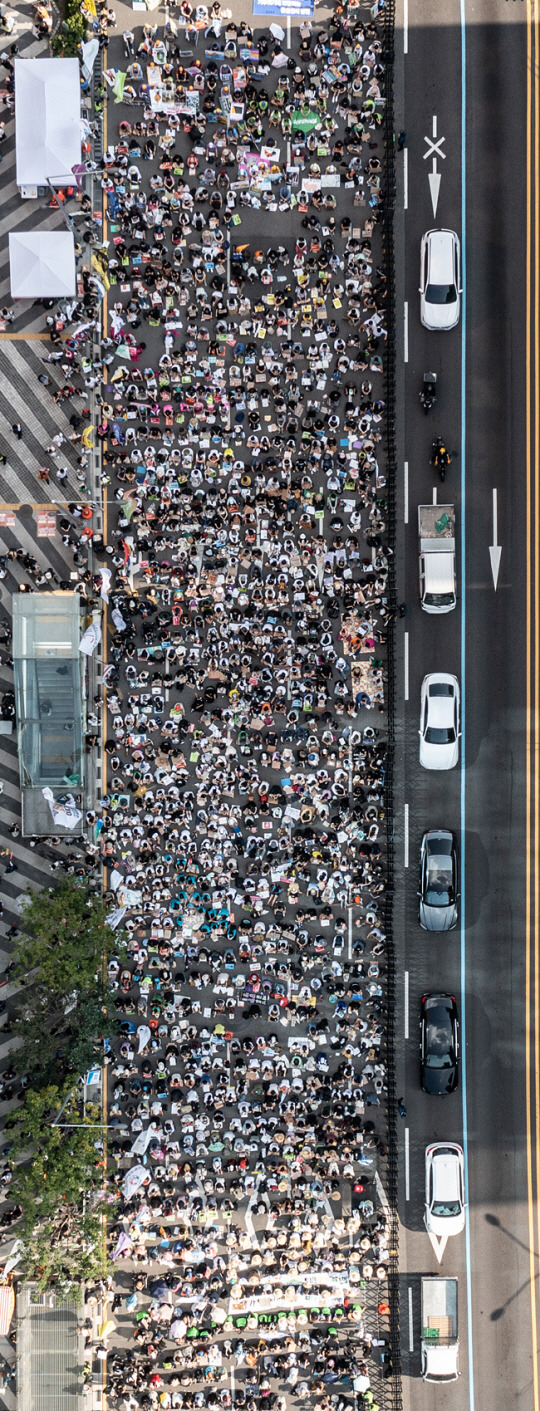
{"x": 439, "y": 864}
{"x": 441, "y": 246}
{"x": 446, "y": 1175}
{"x": 441, "y": 711}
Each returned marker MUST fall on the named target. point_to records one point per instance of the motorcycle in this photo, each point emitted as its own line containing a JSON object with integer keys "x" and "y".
{"x": 428, "y": 395}
{"x": 440, "y": 458}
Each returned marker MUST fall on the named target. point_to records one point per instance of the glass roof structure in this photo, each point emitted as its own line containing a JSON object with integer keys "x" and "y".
{"x": 48, "y": 670}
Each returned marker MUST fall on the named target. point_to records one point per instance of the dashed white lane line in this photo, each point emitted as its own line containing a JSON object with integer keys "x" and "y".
{"x": 407, "y": 1171}
{"x": 406, "y": 1005}
{"x": 406, "y": 664}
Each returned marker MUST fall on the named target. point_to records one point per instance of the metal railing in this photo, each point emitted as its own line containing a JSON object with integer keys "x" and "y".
{"x": 394, "y": 1384}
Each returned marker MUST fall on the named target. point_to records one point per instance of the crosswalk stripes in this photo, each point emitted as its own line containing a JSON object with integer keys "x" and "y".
{"x": 50, "y": 553}
{"x": 41, "y": 419}
{"x": 33, "y": 867}
{"x": 34, "y": 215}
{"x": 8, "y": 1399}
{"x": 23, "y": 18}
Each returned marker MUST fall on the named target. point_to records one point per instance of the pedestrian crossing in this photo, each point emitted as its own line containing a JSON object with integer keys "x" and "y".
{"x": 33, "y": 865}
{"x": 23, "y": 398}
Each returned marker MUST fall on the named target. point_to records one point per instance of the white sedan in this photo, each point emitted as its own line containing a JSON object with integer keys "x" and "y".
{"x": 445, "y": 1186}
{"x": 439, "y": 721}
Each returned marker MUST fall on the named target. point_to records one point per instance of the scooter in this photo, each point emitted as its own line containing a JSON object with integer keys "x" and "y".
{"x": 440, "y": 458}
{"x": 428, "y": 395}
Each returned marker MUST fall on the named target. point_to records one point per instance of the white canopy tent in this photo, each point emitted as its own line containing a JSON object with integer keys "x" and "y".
{"x": 47, "y": 120}
{"x": 42, "y": 264}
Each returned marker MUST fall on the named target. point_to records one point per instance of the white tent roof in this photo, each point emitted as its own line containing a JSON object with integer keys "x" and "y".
{"x": 47, "y": 120}
{"x": 42, "y": 264}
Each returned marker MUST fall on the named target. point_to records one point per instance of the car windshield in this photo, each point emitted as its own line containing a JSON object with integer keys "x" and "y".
{"x": 439, "y": 735}
{"x": 441, "y": 294}
{"x": 437, "y": 600}
{"x": 445, "y": 1207}
{"x": 439, "y": 890}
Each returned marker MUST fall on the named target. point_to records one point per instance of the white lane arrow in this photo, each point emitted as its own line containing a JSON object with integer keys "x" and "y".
{"x": 434, "y": 179}
{"x": 495, "y": 549}
{"x": 438, "y": 1245}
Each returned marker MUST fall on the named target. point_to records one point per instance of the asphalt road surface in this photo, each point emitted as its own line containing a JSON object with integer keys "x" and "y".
{"x": 469, "y": 87}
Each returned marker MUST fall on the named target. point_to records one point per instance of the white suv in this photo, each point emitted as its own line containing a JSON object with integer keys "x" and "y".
{"x": 445, "y": 1199}
{"x": 439, "y": 280}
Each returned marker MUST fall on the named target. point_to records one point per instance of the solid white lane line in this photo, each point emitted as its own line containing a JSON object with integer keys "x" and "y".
{"x": 405, "y": 179}
{"x": 406, "y": 836}
{"x": 406, "y": 665}
{"x": 405, "y": 333}
{"x": 406, "y": 1004}
{"x": 406, "y": 492}
{"x": 463, "y": 762}
{"x": 411, "y": 1326}
{"x": 434, "y": 126}
{"x": 407, "y": 1172}
{"x": 405, "y": 26}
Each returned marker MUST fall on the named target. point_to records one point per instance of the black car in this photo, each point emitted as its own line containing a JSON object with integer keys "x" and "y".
{"x": 439, "y": 1044}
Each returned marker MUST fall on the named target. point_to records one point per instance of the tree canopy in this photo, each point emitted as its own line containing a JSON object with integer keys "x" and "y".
{"x": 63, "y": 938}
{"x": 65, "y": 1008}
{"x": 58, "y": 1176}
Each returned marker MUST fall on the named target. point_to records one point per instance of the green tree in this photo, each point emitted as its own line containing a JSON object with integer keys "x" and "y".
{"x": 58, "y": 1179}
{"x": 66, "y": 1007}
{"x": 63, "y": 938}
{"x": 72, "y": 31}
{"x": 57, "y": 1045}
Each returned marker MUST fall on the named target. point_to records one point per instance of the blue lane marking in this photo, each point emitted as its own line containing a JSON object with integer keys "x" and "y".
{"x": 463, "y": 948}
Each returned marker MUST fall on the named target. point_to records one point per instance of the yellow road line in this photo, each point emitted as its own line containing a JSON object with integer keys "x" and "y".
{"x": 104, "y": 724}
{"x": 26, "y": 337}
{"x": 531, "y": 10}
{"x": 536, "y": 631}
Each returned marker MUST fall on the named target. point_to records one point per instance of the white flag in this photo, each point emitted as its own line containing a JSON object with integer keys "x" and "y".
{"x": 133, "y": 1181}
{"x": 91, "y": 637}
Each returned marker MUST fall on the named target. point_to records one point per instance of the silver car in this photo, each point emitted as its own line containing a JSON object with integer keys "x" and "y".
{"x": 438, "y": 893}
